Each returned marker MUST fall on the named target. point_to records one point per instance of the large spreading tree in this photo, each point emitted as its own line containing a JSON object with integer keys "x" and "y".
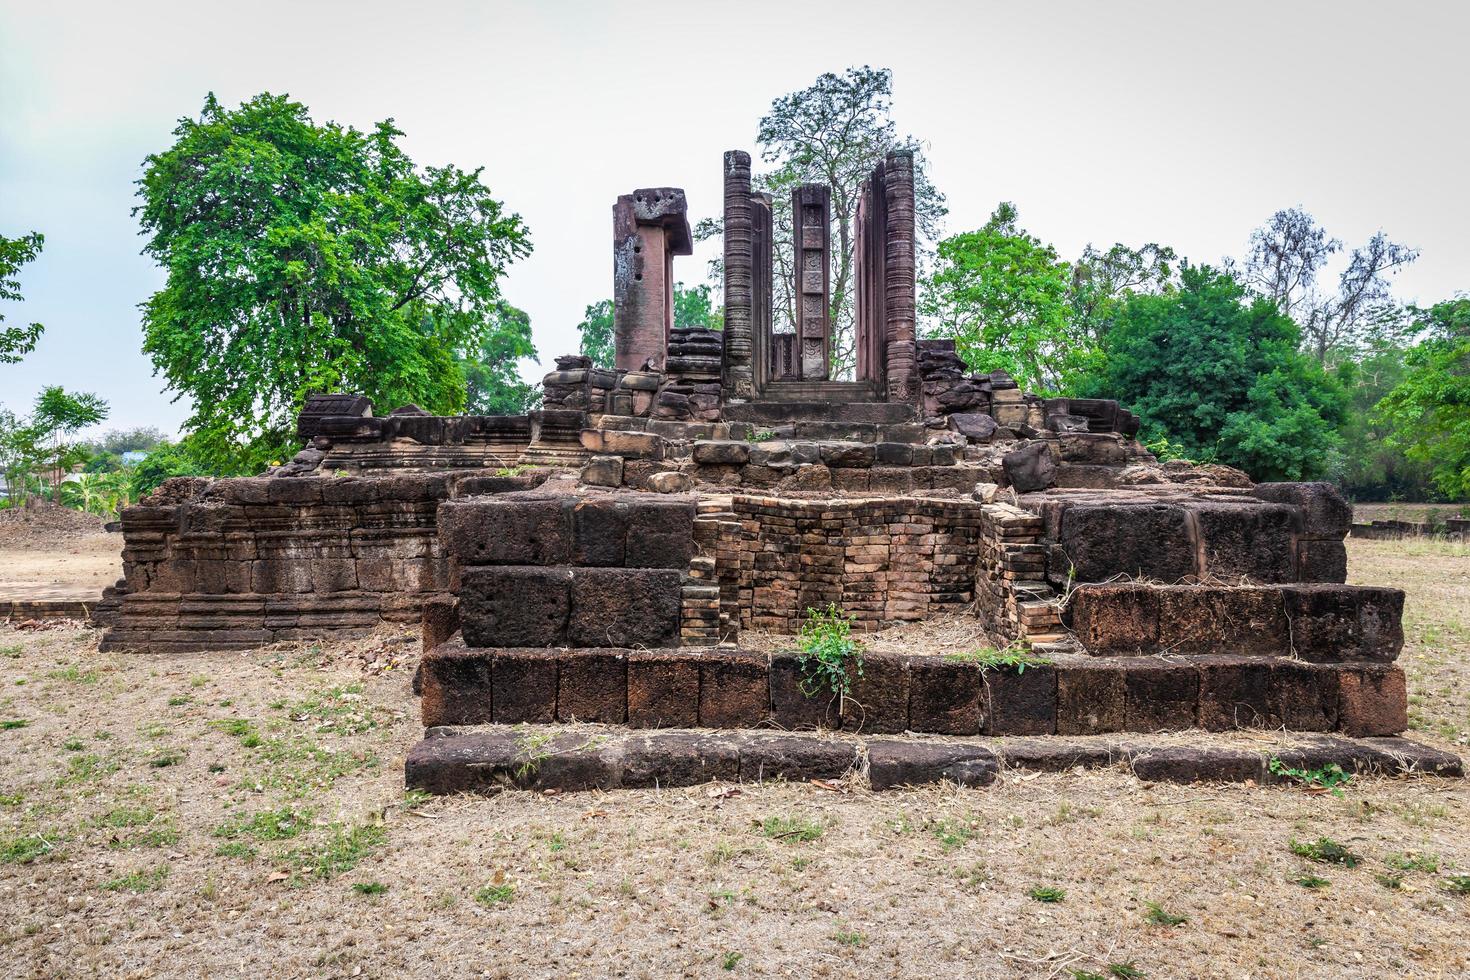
{"x": 1221, "y": 375}
{"x": 17, "y": 341}
{"x": 305, "y": 257}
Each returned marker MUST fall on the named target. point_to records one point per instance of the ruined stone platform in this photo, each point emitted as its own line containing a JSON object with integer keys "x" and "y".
{"x": 490, "y": 759}
{"x": 1073, "y": 694}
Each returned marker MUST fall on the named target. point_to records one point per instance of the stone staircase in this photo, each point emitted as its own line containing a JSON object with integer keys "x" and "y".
{"x": 833, "y": 401}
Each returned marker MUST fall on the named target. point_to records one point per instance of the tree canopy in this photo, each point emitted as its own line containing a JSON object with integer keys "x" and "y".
{"x": 492, "y": 378}
{"x": 1221, "y": 376}
{"x": 1429, "y": 409}
{"x": 304, "y": 257}
{"x": 1004, "y": 297}
{"x": 16, "y": 342}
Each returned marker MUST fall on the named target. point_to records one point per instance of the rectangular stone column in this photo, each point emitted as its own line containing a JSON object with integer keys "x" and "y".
{"x": 761, "y": 236}
{"x": 870, "y": 283}
{"x": 739, "y": 258}
{"x": 811, "y": 208}
{"x": 650, "y": 227}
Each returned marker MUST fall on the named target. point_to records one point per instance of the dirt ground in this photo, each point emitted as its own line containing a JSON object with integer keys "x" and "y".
{"x": 56, "y": 553}
{"x": 243, "y": 815}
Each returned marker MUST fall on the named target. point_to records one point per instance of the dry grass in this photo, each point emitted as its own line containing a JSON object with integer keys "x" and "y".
{"x": 259, "y": 848}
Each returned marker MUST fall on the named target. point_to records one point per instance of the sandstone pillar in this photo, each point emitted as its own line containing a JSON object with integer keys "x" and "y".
{"x": 899, "y": 273}
{"x": 811, "y": 208}
{"x": 761, "y": 238}
{"x": 739, "y": 375}
{"x": 650, "y": 227}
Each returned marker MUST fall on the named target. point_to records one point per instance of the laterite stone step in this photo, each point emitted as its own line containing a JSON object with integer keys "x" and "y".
{"x": 493, "y": 758}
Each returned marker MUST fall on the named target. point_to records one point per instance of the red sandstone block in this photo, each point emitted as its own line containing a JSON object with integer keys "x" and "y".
{"x": 799, "y": 700}
{"x": 663, "y": 689}
{"x": 661, "y": 533}
{"x": 1249, "y": 540}
{"x": 524, "y": 686}
{"x": 944, "y": 697}
{"x": 879, "y": 699}
{"x": 625, "y": 607}
{"x": 1372, "y": 700}
{"x": 1091, "y": 697}
{"x": 1159, "y": 695}
{"x": 1321, "y": 560}
{"x": 1303, "y": 696}
{"x": 1343, "y": 622}
{"x": 1021, "y": 702}
{"x": 600, "y": 531}
{"x": 592, "y": 686}
{"x": 489, "y": 531}
{"x": 508, "y": 606}
{"x": 1233, "y": 692}
{"x": 734, "y": 690}
{"x": 456, "y": 684}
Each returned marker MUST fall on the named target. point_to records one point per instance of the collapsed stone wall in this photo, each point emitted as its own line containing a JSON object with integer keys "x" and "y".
{"x": 237, "y": 563}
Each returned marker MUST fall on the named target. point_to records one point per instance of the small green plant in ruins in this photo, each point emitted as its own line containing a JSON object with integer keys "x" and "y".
{"x": 1330, "y": 778}
{"x": 1017, "y": 657}
{"x": 830, "y": 657}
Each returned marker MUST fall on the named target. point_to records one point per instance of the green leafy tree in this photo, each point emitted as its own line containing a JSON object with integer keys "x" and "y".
{"x": 1372, "y": 466}
{"x": 1429, "y": 409}
{"x": 693, "y": 307}
{"x": 1004, "y": 297}
{"x": 1223, "y": 377}
{"x": 173, "y": 459}
{"x": 303, "y": 258}
{"x": 493, "y": 379}
{"x": 1102, "y": 282}
{"x": 39, "y": 443}
{"x": 16, "y": 342}
{"x": 596, "y": 330}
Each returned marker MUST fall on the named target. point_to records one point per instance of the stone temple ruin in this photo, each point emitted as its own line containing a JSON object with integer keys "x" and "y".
{"x": 600, "y": 560}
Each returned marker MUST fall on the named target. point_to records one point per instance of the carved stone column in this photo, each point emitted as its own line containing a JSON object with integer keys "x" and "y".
{"x": 739, "y": 259}
{"x": 898, "y": 293}
{"x": 650, "y": 227}
{"x": 761, "y": 237}
{"x": 811, "y": 208}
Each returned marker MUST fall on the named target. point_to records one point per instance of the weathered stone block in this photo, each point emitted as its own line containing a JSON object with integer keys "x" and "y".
{"x": 799, "y": 701}
{"x": 1342, "y": 622}
{"x": 603, "y": 471}
{"x": 1321, "y": 560}
{"x": 879, "y": 701}
{"x": 1303, "y": 697}
{"x": 1325, "y": 512}
{"x": 945, "y": 698}
{"x": 1233, "y": 693}
{"x": 617, "y": 607}
{"x": 456, "y": 686}
{"x": 893, "y": 762}
{"x": 734, "y": 690}
{"x": 794, "y": 758}
{"x": 515, "y": 606}
{"x": 1091, "y": 698}
{"x": 1251, "y": 541}
{"x": 524, "y": 686}
{"x": 1111, "y": 619}
{"x": 1021, "y": 702}
{"x": 1030, "y": 468}
{"x": 663, "y": 689}
{"x": 599, "y": 531}
{"x": 527, "y": 531}
{"x": 1372, "y": 700}
{"x": 726, "y": 452}
{"x": 1104, "y": 540}
{"x": 679, "y": 759}
{"x": 661, "y": 533}
{"x": 592, "y": 686}
{"x": 1159, "y": 696}
{"x": 630, "y": 445}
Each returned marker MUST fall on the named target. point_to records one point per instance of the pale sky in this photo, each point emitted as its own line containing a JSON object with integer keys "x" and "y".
{"x": 1187, "y": 124}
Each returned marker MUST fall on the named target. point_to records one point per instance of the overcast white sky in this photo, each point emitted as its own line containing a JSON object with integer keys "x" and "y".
{"x": 1181, "y": 123}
